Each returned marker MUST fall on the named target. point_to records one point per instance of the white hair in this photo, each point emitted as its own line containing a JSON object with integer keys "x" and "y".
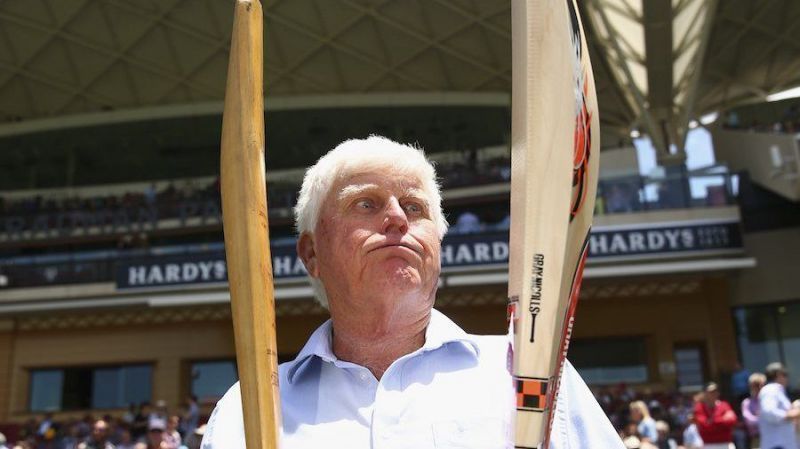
{"x": 374, "y": 154}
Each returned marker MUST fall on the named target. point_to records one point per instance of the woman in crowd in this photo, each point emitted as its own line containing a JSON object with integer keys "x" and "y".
{"x": 645, "y": 425}
{"x": 172, "y": 438}
{"x": 751, "y": 409}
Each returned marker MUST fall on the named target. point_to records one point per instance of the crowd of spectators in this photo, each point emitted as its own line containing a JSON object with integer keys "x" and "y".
{"x": 472, "y": 173}
{"x": 142, "y": 427}
{"x": 704, "y": 420}
{"x": 168, "y": 202}
{"x": 788, "y": 123}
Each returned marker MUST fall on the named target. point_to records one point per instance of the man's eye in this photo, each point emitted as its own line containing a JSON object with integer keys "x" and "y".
{"x": 414, "y": 208}
{"x": 365, "y": 204}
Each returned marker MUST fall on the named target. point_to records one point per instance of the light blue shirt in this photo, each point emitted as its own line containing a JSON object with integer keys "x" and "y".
{"x": 774, "y": 428}
{"x": 454, "y": 392}
{"x": 691, "y": 437}
{"x": 647, "y": 429}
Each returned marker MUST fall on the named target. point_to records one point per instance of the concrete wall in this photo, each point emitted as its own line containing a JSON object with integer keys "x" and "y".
{"x": 774, "y": 278}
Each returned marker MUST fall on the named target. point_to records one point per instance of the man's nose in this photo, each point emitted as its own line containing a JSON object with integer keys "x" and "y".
{"x": 395, "y": 218}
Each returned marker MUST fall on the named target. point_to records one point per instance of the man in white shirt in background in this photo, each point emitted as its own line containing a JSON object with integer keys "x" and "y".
{"x": 387, "y": 370}
{"x": 777, "y": 420}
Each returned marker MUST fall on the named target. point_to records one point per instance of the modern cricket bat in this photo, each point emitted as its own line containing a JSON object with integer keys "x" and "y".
{"x": 244, "y": 216}
{"x": 554, "y": 169}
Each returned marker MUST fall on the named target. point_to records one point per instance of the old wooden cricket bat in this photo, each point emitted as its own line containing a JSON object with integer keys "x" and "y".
{"x": 554, "y": 160}
{"x": 244, "y": 215}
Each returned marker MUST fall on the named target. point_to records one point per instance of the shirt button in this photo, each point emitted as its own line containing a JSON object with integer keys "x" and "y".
{"x": 363, "y": 376}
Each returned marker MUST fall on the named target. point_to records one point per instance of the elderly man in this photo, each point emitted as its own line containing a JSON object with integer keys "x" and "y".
{"x": 387, "y": 370}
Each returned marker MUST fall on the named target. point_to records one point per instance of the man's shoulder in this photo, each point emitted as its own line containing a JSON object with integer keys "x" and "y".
{"x": 770, "y": 389}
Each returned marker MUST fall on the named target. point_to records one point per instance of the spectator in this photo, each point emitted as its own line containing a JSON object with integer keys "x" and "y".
{"x": 664, "y": 440}
{"x": 125, "y": 440}
{"x": 130, "y": 415}
{"x": 777, "y": 419}
{"x": 85, "y": 426}
{"x": 630, "y": 437}
{"x": 618, "y": 199}
{"x": 45, "y": 426}
{"x": 194, "y": 439}
{"x": 739, "y": 382}
{"x": 27, "y": 443}
{"x": 715, "y": 419}
{"x": 99, "y": 437}
{"x": 71, "y": 440}
{"x": 172, "y": 439}
{"x": 150, "y": 195}
{"x": 140, "y": 421}
{"x": 155, "y": 436}
{"x": 691, "y": 437}
{"x": 751, "y": 408}
{"x": 680, "y": 411}
{"x": 731, "y": 120}
{"x": 158, "y": 414}
{"x": 3, "y": 441}
{"x": 192, "y": 416}
{"x": 503, "y": 224}
{"x": 645, "y": 425}
{"x": 467, "y": 223}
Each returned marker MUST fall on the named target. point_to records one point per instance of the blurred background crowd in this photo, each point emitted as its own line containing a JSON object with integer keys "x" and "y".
{"x": 143, "y": 426}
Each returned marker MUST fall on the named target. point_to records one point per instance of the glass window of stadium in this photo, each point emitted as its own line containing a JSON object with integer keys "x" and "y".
{"x": 80, "y": 388}
{"x": 610, "y": 361}
{"x": 770, "y": 334}
{"x": 211, "y": 379}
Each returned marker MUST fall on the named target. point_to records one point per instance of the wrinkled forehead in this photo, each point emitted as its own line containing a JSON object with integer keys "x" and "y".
{"x": 395, "y": 181}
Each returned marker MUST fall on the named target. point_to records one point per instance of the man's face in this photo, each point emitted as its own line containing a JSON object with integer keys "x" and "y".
{"x": 376, "y": 245}
{"x": 155, "y": 437}
{"x": 100, "y": 431}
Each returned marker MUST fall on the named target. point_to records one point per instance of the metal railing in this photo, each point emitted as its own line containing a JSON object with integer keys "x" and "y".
{"x": 681, "y": 191}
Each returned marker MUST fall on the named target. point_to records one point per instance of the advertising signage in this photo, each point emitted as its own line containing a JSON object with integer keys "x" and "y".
{"x": 458, "y": 250}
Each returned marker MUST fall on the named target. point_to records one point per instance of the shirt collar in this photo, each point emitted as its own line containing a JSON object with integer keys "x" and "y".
{"x": 441, "y": 331}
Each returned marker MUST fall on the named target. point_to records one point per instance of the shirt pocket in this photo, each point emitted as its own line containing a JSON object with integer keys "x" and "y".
{"x": 473, "y": 433}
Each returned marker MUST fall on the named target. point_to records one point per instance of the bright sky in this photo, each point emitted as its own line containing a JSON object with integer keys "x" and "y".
{"x": 699, "y": 154}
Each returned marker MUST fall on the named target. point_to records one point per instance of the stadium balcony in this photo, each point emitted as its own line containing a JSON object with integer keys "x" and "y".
{"x": 637, "y": 219}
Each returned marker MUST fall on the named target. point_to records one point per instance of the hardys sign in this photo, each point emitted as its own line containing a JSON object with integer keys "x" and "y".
{"x": 674, "y": 238}
{"x": 457, "y": 251}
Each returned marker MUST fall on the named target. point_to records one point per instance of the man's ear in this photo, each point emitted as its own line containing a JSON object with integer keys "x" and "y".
{"x": 307, "y": 253}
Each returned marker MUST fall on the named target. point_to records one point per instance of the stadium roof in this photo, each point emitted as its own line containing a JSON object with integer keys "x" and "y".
{"x": 658, "y": 63}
